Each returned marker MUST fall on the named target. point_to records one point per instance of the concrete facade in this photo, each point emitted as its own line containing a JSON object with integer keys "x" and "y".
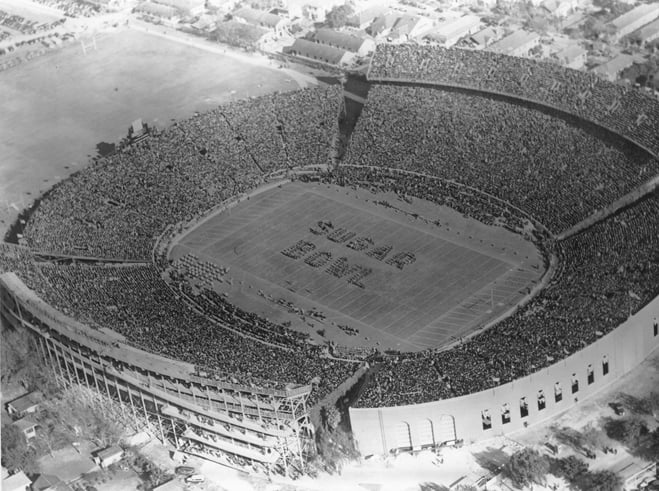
{"x": 382, "y": 430}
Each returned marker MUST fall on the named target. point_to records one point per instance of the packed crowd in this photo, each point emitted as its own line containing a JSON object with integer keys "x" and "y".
{"x": 555, "y": 171}
{"x": 219, "y": 309}
{"x": 19, "y": 260}
{"x": 609, "y": 272}
{"x": 625, "y": 110}
{"x": 158, "y": 321}
{"x": 466, "y": 200}
{"x": 117, "y": 206}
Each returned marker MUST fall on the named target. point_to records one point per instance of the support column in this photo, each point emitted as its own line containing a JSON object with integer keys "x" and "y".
{"x": 162, "y": 433}
{"x": 174, "y": 431}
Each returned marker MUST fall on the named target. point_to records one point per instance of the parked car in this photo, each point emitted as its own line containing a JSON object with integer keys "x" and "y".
{"x": 618, "y": 408}
{"x": 195, "y": 478}
{"x": 185, "y": 470}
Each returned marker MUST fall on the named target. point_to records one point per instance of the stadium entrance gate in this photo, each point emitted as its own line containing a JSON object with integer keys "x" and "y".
{"x": 426, "y": 433}
{"x": 446, "y": 429}
{"x": 403, "y": 436}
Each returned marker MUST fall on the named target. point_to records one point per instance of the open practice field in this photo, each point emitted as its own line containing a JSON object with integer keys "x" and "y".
{"x": 464, "y": 273}
{"x": 56, "y": 108}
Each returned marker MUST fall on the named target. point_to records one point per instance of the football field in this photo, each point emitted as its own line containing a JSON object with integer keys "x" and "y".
{"x": 274, "y": 243}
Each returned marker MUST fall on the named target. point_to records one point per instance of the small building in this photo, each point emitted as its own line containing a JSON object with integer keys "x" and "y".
{"x": 519, "y": 43}
{"x": 409, "y": 27}
{"x": 646, "y": 34}
{"x": 27, "y": 426}
{"x": 27, "y": 404}
{"x": 382, "y": 25}
{"x": 612, "y": 68}
{"x": 573, "y": 56}
{"x": 169, "y": 14}
{"x": 261, "y": 18}
{"x": 313, "y": 10}
{"x": 365, "y": 17}
{"x": 186, "y": 7}
{"x": 108, "y": 456}
{"x": 49, "y": 482}
{"x": 449, "y": 32}
{"x": 484, "y": 37}
{"x": 16, "y": 482}
{"x": 349, "y": 42}
{"x": 635, "y": 19}
{"x": 320, "y": 52}
{"x": 558, "y": 8}
{"x": 635, "y": 472}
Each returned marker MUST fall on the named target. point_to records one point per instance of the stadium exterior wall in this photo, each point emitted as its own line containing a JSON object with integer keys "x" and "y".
{"x": 227, "y": 423}
{"x": 382, "y": 430}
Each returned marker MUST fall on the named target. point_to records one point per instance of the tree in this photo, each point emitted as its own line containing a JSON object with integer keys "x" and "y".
{"x": 602, "y": 481}
{"x": 331, "y": 417}
{"x": 338, "y": 16}
{"x": 16, "y": 454}
{"x": 570, "y": 468}
{"x": 525, "y": 467}
{"x": 593, "y": 437}
{"x": 52, "y": 435}
{"x": 627, "y": 431}
{"x": 650, "y": 450}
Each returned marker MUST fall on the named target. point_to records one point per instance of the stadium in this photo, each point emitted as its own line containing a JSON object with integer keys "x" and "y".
{"x": 482, "y": 254}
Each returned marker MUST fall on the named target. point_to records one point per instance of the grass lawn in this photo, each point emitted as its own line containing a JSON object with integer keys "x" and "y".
{"x": 460, "y": 278}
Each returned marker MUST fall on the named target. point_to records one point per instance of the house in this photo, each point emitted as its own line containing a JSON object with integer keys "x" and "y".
{"x": 349, "y": 42}
{"x": 634, "y": 472}
{"x": 186, "y": 7}
{"x": 364, "y": 17}
{"x": 409, "y": 27}
{"x": 558, "y": 8}
{"x": 397, "y": 27}
{"x": 313, "y": 10}
{"x": 382, "y": 25}
{"x": 16, "y": 482}
{"x": 27, "y": 404}
{"x": 27, "y": 426}
{"x": 635, "y": 19}
{"x": 261, "y": 18}
{"x": 573, "y": 21}
{"x": 449, "y": 32}
{"x": 646, "y": 34}
{"x": 169, "y": 14}
{"x": 612, "y": 68}
{"x": 49, "y": 482}
{"x": 484, "y": 37}
{"x": 320, "y": 52}
{"x": 519, "y": 43}
{"x": 573, "y": 56}
{"x": 108, "y": 456}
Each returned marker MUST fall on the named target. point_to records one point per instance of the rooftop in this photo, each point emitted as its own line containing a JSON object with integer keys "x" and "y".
{"x": 26, "y": 401}
{"x": 341, "y": 40}
{"x": 15, "y": 482}
{"x": 455, "y": 27}
{"x": 514, "y": 41}
{"x": 615, "y": 65}
{"x": 635, "y": 14}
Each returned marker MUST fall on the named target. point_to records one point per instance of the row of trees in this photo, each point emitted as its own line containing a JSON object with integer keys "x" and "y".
{"x": 528, "y": 466}
{"x": 65, "y": 415}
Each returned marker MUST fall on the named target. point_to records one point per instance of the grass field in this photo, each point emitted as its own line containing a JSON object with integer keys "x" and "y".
{"x": 464, "y": 273}
{"x": 56, "y": 108}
